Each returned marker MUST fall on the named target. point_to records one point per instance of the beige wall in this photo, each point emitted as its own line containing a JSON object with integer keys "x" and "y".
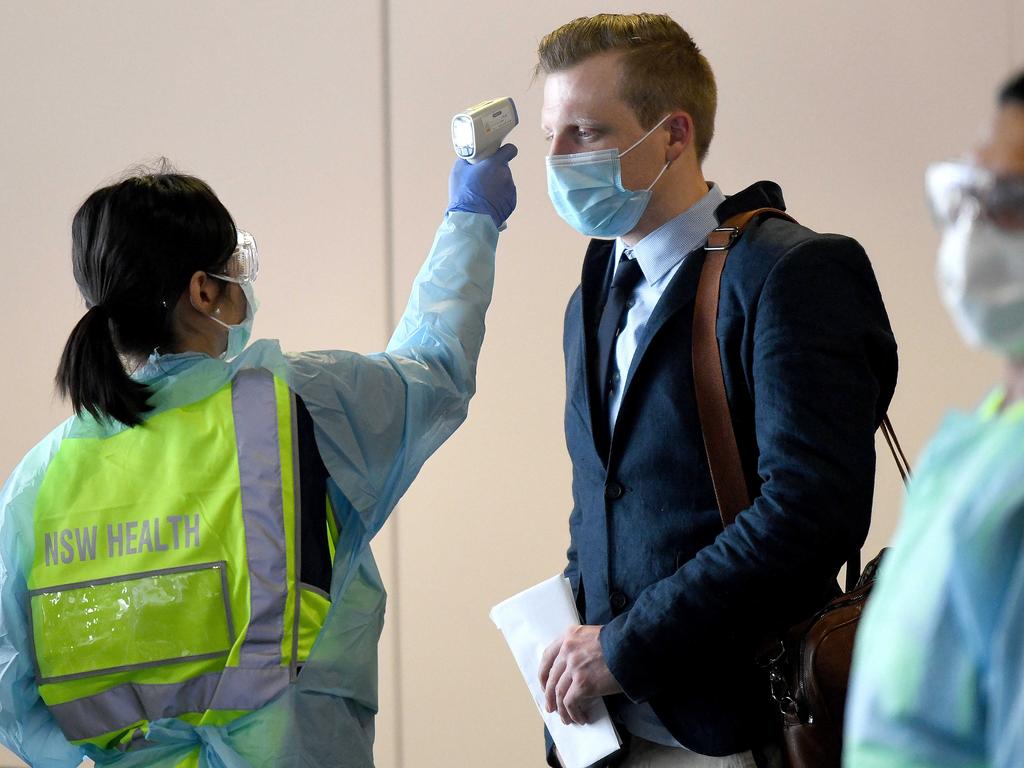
{"x": 324, "y": 128}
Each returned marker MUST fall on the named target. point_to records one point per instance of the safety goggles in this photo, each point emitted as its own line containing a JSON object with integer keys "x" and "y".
{"x": 243, "y": 265}
{"x": 960, "y": 188}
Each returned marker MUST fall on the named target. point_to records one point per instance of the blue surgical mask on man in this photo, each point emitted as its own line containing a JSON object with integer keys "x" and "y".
{"x": 586, "y": 190}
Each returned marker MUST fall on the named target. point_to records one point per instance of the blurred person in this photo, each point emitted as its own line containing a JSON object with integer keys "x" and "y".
{"x": 673, "y": 607}
{"x": 185, "y": 570}
{"x": 938, "y": 674}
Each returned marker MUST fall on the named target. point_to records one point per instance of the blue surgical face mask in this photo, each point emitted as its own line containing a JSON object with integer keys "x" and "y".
{"x": 238, "y": 335}
{"x": 586, "y": 190}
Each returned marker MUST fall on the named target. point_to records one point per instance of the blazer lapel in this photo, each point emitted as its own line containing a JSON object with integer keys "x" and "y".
{"x": 597, "y": 268}
{"x": 679, "y": 295}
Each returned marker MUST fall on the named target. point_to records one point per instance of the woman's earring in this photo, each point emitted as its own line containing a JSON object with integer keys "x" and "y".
{"x": 216, "y": 311}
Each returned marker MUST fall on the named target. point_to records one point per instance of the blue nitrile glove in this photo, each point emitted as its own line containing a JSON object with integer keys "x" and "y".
{"x": 484, "y": 187}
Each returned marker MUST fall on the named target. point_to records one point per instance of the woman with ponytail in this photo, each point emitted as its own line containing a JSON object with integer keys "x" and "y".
{"x": 135, "y": 245}
{"x": 185, "y": 571}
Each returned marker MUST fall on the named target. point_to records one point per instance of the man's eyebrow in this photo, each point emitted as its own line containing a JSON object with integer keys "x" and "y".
{"x": 587, "y": 122}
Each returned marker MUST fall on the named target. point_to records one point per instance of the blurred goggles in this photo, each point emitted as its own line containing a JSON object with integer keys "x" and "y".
{"x": 243, "y": 265}
{"x": 956, "y": 189}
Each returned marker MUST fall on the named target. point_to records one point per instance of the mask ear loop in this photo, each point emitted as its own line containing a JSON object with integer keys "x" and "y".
{"x": 216, "y": 311}
{"x": 212, "y": 316}
{"x": 660, "y": 174}
{"x": 640, "y": 141}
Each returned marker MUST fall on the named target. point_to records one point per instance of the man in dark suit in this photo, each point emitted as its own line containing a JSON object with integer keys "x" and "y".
{"x": 674, "y": 608}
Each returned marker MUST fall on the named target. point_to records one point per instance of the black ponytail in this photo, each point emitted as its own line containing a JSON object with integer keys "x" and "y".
{"x": 92, "y": 376}
{"x": 135, "y": 245}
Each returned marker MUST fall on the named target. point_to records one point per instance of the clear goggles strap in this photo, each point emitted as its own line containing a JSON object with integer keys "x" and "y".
{"x": 244, "y": 263}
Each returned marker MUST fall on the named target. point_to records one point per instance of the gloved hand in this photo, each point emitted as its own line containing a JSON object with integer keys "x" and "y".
{"x": 484, "y": 187}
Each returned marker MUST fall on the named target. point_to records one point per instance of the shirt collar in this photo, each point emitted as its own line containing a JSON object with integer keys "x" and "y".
{"x": 665, "y": 247}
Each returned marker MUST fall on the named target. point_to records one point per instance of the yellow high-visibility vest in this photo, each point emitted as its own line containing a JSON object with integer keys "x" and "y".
{"x": 164, "y": 581}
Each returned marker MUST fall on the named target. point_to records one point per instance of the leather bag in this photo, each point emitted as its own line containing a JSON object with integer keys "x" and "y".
{"x": 808, "y": 669}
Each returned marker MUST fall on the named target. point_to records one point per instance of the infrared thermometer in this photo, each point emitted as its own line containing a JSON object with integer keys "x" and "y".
{"x": 478, "y": 131}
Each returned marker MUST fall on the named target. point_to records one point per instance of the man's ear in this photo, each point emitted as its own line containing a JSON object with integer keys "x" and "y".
{"x": 204, "y": 292}
{"x": 680, "y": 131}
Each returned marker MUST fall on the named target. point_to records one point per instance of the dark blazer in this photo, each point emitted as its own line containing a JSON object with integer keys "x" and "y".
{"x": 809, "y": 361}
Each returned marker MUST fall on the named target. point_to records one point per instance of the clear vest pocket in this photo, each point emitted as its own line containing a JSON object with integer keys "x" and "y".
{"x": 139, "y": 620}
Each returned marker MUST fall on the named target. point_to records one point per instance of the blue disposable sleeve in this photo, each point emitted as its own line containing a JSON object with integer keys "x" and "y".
{"x": 379, "y": 417}
{"x": 26, "y": 726}
{"x": 932, "y": 682}
{"x": 1005, "y": 730}
{"x": 986, "y": 590}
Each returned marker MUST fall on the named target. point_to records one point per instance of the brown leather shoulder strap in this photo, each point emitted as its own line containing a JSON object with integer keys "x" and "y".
{"x": 723, "y": 453}
{"x": 712, "y": 405}
{"x": 896, "y": 449}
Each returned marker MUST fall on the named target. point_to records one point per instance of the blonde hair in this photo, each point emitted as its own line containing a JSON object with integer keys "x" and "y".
{"x": 662, "y": 68}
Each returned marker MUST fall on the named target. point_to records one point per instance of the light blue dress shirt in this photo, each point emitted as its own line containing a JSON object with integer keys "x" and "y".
{"x": 660, "y": 254}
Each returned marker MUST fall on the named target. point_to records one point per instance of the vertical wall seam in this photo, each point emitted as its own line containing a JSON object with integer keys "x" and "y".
{"x": 394, "y": 587}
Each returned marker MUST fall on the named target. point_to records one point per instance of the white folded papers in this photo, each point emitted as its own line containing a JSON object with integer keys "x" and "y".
{"x": 531, "y": 621}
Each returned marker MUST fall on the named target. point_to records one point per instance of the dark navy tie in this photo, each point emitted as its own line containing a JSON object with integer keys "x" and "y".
{"x": 626, "y": 278}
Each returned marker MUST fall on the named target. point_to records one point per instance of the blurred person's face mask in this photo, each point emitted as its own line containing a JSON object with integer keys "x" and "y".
{"x": 981, "y": 257}
{"x": 586, "y": 190}
{"x": 242, "y": 268}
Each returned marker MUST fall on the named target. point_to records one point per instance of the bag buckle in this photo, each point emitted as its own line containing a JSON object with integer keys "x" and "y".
{"x": 734, "y": 233}
{"x": 771, "y": 655}
{"x": 773, "y": 660}
{"x": 781, "y": 693}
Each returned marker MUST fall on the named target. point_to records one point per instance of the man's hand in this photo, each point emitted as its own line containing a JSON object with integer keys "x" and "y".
{"x": 573, "y": 671}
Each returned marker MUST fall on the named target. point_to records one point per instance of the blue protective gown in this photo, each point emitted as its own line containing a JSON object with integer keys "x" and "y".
{"x": 938, "y": 674}
{"x": 377, "y": 420}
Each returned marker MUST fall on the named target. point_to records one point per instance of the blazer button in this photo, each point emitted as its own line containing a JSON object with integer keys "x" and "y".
{"x": 614, "y": 490}
{"x": 618, "y": 601}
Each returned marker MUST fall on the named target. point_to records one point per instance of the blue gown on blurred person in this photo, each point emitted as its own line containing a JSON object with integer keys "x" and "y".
{"x": 938, "y": 673}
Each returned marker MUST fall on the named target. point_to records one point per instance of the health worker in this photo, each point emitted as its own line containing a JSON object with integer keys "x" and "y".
{"x": 938, "y": 671}
{"x": 185, "y": 571}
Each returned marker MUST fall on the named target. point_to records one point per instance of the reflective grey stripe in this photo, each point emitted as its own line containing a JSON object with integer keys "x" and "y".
{"x": 254, "y": 404}
{"x": 119, "y": 707}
